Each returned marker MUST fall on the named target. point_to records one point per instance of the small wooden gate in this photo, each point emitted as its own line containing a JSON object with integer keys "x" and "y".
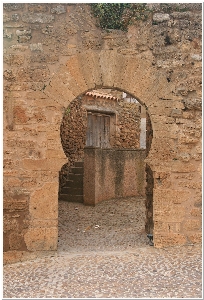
{"x": 98, "y": 130}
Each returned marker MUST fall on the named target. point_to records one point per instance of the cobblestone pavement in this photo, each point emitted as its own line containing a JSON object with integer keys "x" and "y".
{"x": 104, "y": 253}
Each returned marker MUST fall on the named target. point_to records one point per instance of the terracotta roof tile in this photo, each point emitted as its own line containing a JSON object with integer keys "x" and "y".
{"x": 97, "y": 94}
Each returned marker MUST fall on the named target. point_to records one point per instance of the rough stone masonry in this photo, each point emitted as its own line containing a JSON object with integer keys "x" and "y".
{"x": 54, "y": 53}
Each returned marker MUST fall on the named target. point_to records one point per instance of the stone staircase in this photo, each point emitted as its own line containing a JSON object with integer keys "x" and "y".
{"x": 73, "y": 189}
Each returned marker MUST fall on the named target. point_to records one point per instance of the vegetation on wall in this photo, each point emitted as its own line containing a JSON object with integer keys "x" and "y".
{"x": 119, "y": 15}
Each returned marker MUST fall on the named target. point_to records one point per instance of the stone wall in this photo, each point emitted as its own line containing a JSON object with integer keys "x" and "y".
{"x": 149, "y": 224}
{"x": 54, "y": 53}
{"x": 111, "y": 174}
{"x": 126, "y": 127}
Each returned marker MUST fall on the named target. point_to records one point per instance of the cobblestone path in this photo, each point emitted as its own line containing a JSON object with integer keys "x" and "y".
{"x": 104, "y": 253}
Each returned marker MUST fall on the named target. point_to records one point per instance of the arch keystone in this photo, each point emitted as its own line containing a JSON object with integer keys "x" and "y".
{"x": 74, "y": 69}
{"x": 108, "y": 60}
{"x": 90, "y": 68}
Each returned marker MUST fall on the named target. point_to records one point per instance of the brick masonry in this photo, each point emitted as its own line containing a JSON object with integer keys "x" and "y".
{"x": 54, "y": 53}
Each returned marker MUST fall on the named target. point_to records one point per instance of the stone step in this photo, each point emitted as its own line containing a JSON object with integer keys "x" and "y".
{"x": 76, "y": 177}
{"x": 72, "y": 191}
{"x": 79, "y": 164}
{"x": 71, "y": 198}
{"x": 74, "y": 184}
{"x": 77, "y": 170}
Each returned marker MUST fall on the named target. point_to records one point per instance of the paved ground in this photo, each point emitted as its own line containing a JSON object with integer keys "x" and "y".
{"x": 104, "y": 253}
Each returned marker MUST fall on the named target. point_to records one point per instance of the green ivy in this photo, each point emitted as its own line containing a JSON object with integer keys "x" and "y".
{"x": 119, "y": 15}
{"x": 67, "y": 111}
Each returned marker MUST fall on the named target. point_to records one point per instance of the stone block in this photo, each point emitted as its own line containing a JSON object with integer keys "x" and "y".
{"x": 94, "y": 64}
{"x": 5, "y": 241}
{"x": 160, "y": 227}
{"x": 89, "y": 66}
{"x": 198, "y": 202}
{"x": 170, "y": 197}
{"x": 49, "y": 176}
{"x": 23, "y": 32}
{"x": 13, "y": 181}
{"x": 192, "y": 225}
{"x": 37, "y": 95}
{"x": 168, "y": 227}
{"x": 183, "y": 167}
{"x": 169, "y": 239}
{"x": 20, "y": 115}
{"x": 153, "y": 86}
{"x": 14, "y": 59}
{"x": 37, "y": 18}
{"x": 36, "y": 47}
{"x": 191, "y": 185}
{"x": 51, "y": 93}
{"x": 53, "y": 135}
{"x": 34, "y": 73}
{"x": 40, "y": 58}
{"x": 49, "y": 164}
{"x": 44, "y": 202}
{"x": 66, "y": 77}
{"x": 195, "y": 238}
{"x": 196, "y": 212}
{"x": 41, "y": 239}
{"x": 174, "y": 227}
{"x": 168, "y": 214}
{"x": 126, "y": 66}
{"x": 29, "y": 183}
{"x": 52, "y": 144}
{"x": 7, "y": 34}
{"x": 52, "y": 153}
{"x": 9, "y": 75}
{"x": 14, "y": 256}
{"x": 8, "y": 173}
{"x": 108, "y": 60}
{"x": 160, "y": 17}
{"x": 9, "y": 223}
{"x": 43, "y": 128}
{"x": 188, "y": 140}
{"x": 59, "y": 9}
{"x": 43, "y": 223}
{"x": 18, "y": 47}
{"x": 193, "y": 103}
{"x": 162, "y": 180}
{"x": 16, "y": 204}
{"x": 29, "y": 144}
{"x": 16, "y": 241}
{"x": 73, "y": 66}
{"x": 64, "y": 93}
{"x": 37, "y": 7}
{"x": 13, "y": 6}
{"x": 6, "y": 18}
{"x": 163, "y": 149}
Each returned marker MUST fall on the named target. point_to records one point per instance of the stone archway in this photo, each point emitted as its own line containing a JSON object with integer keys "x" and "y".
{"x": 132, "y": 73}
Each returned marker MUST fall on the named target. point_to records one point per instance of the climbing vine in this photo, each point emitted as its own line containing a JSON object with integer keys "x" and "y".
{"x": 119, "y": 15}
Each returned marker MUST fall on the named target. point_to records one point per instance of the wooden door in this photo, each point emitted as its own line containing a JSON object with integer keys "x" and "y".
{"x": 98, "y": 130}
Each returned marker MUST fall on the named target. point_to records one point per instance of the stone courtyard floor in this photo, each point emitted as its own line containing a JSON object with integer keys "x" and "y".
{"x": 103, "y": 252}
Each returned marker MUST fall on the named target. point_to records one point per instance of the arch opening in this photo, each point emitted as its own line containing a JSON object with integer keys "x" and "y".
{"x": 103, "y": 134}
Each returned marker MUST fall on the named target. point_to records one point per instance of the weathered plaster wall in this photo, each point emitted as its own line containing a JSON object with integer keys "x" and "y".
{"x": 52, "y": 54}
{"x": 111, "y": 174}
